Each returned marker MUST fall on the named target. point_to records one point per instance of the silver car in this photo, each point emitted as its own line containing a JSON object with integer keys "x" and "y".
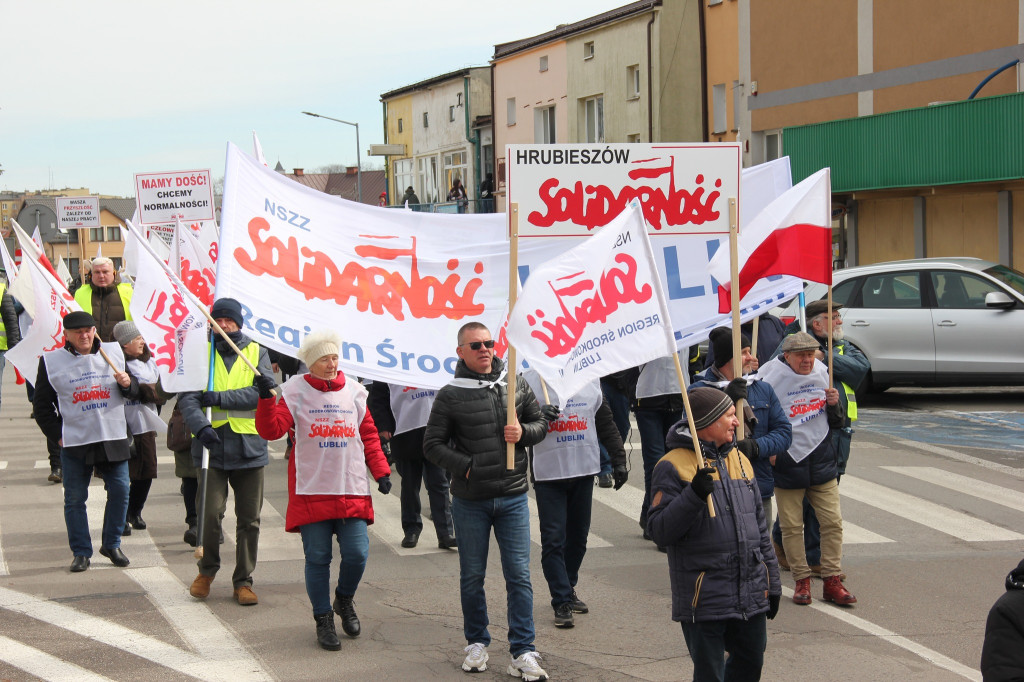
{"x": 933, "y": 321}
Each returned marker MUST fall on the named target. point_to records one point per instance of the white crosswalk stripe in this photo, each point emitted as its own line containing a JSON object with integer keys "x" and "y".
{"x": 593, "y": 541}
{"x": 387, "y": 526}
{"x": 924, "y": 512}
{"x": 43, "y": 665}
{"x": 964, "y": 484}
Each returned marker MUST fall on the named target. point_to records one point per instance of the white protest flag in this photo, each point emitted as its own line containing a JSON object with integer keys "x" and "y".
{"x": 33, "y": 253}
{"x": 63, "y": 272}
{"x": 158, "y": 246}
{"x": 9, "y": 266}
{"x": 194, "y": 266}
{"x": 37, "y": 238}
{"x": 257, "y": 149}
{"x": 99, "y": 251}
{"x": 172, "y": 325}
{"x": 596, "y": 309}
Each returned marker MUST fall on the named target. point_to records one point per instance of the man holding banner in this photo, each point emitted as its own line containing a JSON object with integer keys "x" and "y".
{"x": 80, "y": 392}
{"x": 466, "y": 435}
{"x": 238, "y": 455}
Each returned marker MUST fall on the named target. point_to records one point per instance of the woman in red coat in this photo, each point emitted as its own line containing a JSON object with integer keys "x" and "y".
{"x": 334, "y": 441}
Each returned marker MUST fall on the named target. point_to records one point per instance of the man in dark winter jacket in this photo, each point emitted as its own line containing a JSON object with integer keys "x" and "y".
{"x": 768, "y": 432}
{"x": 725, "y": 579}
{"x": 466, "y": 434}
{"x": 809, "y": 466}
{"x": 10, "y": 332}
{"x": 1002, "y": 654}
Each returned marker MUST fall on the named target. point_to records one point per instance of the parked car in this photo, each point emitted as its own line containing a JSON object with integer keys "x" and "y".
{"x": 932, "y": 321}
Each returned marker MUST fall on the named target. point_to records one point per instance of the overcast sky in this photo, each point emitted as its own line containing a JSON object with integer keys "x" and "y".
{"x": 93, "y": 92}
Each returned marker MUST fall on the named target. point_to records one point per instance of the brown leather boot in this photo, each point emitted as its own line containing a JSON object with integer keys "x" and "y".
{"x": 835, "y": 591}
{"x": 802, "y": 592}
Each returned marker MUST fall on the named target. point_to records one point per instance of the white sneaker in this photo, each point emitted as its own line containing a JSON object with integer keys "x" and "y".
{"x": 476, "y": 658}
{"x": 527, "y": 666}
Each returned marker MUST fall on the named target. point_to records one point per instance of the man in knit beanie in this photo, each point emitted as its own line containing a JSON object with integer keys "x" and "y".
{"x": 722, "y": 606}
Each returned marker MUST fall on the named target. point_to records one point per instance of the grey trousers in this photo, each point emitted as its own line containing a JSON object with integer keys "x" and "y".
{"x": 247, "y": 485}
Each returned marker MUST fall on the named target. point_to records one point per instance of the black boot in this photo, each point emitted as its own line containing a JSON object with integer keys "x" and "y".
{"x": 346, "y": 608}
{"x": 326, "y": 635}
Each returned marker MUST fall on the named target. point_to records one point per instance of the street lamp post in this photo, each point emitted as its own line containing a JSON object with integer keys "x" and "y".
{"x": 359, "y": 165}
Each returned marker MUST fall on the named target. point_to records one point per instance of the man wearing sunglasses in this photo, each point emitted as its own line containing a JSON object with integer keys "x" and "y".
{"x": 466, "y": 435}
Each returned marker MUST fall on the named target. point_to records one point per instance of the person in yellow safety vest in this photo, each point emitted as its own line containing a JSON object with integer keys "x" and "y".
{"x": 10, "y": 333}
{"x": 238, "y": 455}
{"x": 850, "y": 367}
{"x": 106, "y": 298}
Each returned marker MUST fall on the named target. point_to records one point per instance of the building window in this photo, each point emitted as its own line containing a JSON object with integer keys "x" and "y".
{"x": 400, "y": 126}
{"x": 455, "y": 167}
{"x": 451, "y": 113}
{"x": 403, "y": 176}
{"x": 593, "y": 118}
{"x": 772, "y": 145}
{"x": 635, "y": 137}
{"x": 114, "y": 233}
{"x": 544, "y": 125}
{"x": 426, "y": 120}
{"x": 544, "y": 63}
{"x": 718, "y": 108}
{"x": 510, "y": 106}
{"x": 95, "y": 234}
{"x": 426, "y": 175}
{"x": 633, "y": 82}
{"x": 588, "y": 50}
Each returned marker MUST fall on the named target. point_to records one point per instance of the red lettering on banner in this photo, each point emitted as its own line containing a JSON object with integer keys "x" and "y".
{"x": 169, "y": 319}
{"x": 807, "y": 408}
{"x": 596, "y": 205}
{"x": 374, "y": 288}
{"x": 94, "y": 393}
{"x": 199, "y": 282}
{"x": 564, "y": 423}
{"x": 617, "y": 285}
{"x": 337, "y": 430}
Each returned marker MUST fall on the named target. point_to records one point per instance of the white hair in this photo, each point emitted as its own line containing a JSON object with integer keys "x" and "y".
{"x": 102, "y": 260}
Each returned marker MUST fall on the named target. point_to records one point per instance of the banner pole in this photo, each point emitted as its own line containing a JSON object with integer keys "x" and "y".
{"x": 734, "y": 292}
{"x": 753, "y": 336}
{"x": 513, "y": 290}
{"x": 204, "y": 469}
{"x": 689, "y": 422}
{"x": 831, "y": 372}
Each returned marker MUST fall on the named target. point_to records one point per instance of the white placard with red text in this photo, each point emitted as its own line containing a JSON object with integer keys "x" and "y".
{"x": 173, "y": 195}
{"x": 75, "y": 213}
{"x": 568, "y": 190}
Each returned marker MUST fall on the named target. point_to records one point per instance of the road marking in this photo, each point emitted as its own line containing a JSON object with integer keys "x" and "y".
{"x": 933, "y": 657}
{"x": 964, "y": 484}
{"x": 116, "y": 635}
{"x": 592, "y": 540}
{"x": 42, "y": 464}
{"x": 856, "y": 535}
{"x": 138, "y": 547}
{"x": 387, "y": 526}
{"x": 626, "y": 500}
{"x": 43, "y": 665}
{"x": 926, "y": 513}
{"x": 275, "y": 543}
{"x": 3, "y": 465}
{"x": 960, "y": 457}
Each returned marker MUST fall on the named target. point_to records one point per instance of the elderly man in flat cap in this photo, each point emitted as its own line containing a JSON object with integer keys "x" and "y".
{"x": 79, "y": 402}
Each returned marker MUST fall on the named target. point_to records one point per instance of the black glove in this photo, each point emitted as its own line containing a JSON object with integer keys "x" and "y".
{"x": 773, "y": 605}
{"x": 265, "y": 384}
{"x": 550, "y": 412}
{"x": 702, "y": 482}
{"x": 384, "y": 484}
{"x": 620, "y": 475}
{"x": 749, "y": 447}
{"x": 737, "y": 389}
{"x": 208, "y": 437}
{"x": 209, "y": 399}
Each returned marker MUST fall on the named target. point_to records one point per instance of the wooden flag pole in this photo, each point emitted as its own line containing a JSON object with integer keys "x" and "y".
{"x": 513, "y": 291}
{"x": 689, "y": 422}
{"x": 753, "y": 336}
{"x": 831, "y": 370}
{"x": 734, "y": 292}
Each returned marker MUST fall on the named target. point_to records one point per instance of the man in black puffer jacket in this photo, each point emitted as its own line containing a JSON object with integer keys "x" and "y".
{"x": 466, "y": 435}
{"x": 1002, "y": 654}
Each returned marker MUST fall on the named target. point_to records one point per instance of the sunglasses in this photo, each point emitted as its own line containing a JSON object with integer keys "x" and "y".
{"x": 477, "y": 345}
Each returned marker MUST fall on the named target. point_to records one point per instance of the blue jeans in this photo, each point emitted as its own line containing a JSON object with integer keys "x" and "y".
{"x": 709, "y": 640}
{"x": 563, "y": 508}
{"x": 812, "y": 535}
{"x": 653, "y": 426}
{"x": 510, "y": 519}
{"x": 77, "y": 475}
{"x": 353, "y": 546}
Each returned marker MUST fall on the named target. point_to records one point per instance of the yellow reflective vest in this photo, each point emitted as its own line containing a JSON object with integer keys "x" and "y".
{"x": 240, "y": 376}
{"x": 3, "y": 328}
{"x": 84, "y": 298}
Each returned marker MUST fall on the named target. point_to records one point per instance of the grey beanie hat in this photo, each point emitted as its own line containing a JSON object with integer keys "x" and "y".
{"x": 125, "y": 331}
{"x": 708, "y": 405}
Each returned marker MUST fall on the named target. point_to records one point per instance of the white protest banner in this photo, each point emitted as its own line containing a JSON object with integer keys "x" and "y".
{"x": 195, "y": 267}
{"x": 172, "y": 325}
{"x": 572, "y": 189}
{"x": 396, "y": 285}
{"x": 165, "y": 197}
{"x": 63, "y": 272}
{"x": 46, "y": 332}
{"x": 595, "y": 309}
{"x": 74, "y": 213}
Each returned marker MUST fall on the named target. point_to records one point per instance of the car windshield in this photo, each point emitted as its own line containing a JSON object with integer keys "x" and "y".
{"x": 1008, "y": 276}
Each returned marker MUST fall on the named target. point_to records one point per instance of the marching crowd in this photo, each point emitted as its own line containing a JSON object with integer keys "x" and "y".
{"x": 708, "y": 493}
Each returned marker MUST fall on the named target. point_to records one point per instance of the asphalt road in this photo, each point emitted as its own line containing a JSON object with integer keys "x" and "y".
{"x": 933, "y": 506}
